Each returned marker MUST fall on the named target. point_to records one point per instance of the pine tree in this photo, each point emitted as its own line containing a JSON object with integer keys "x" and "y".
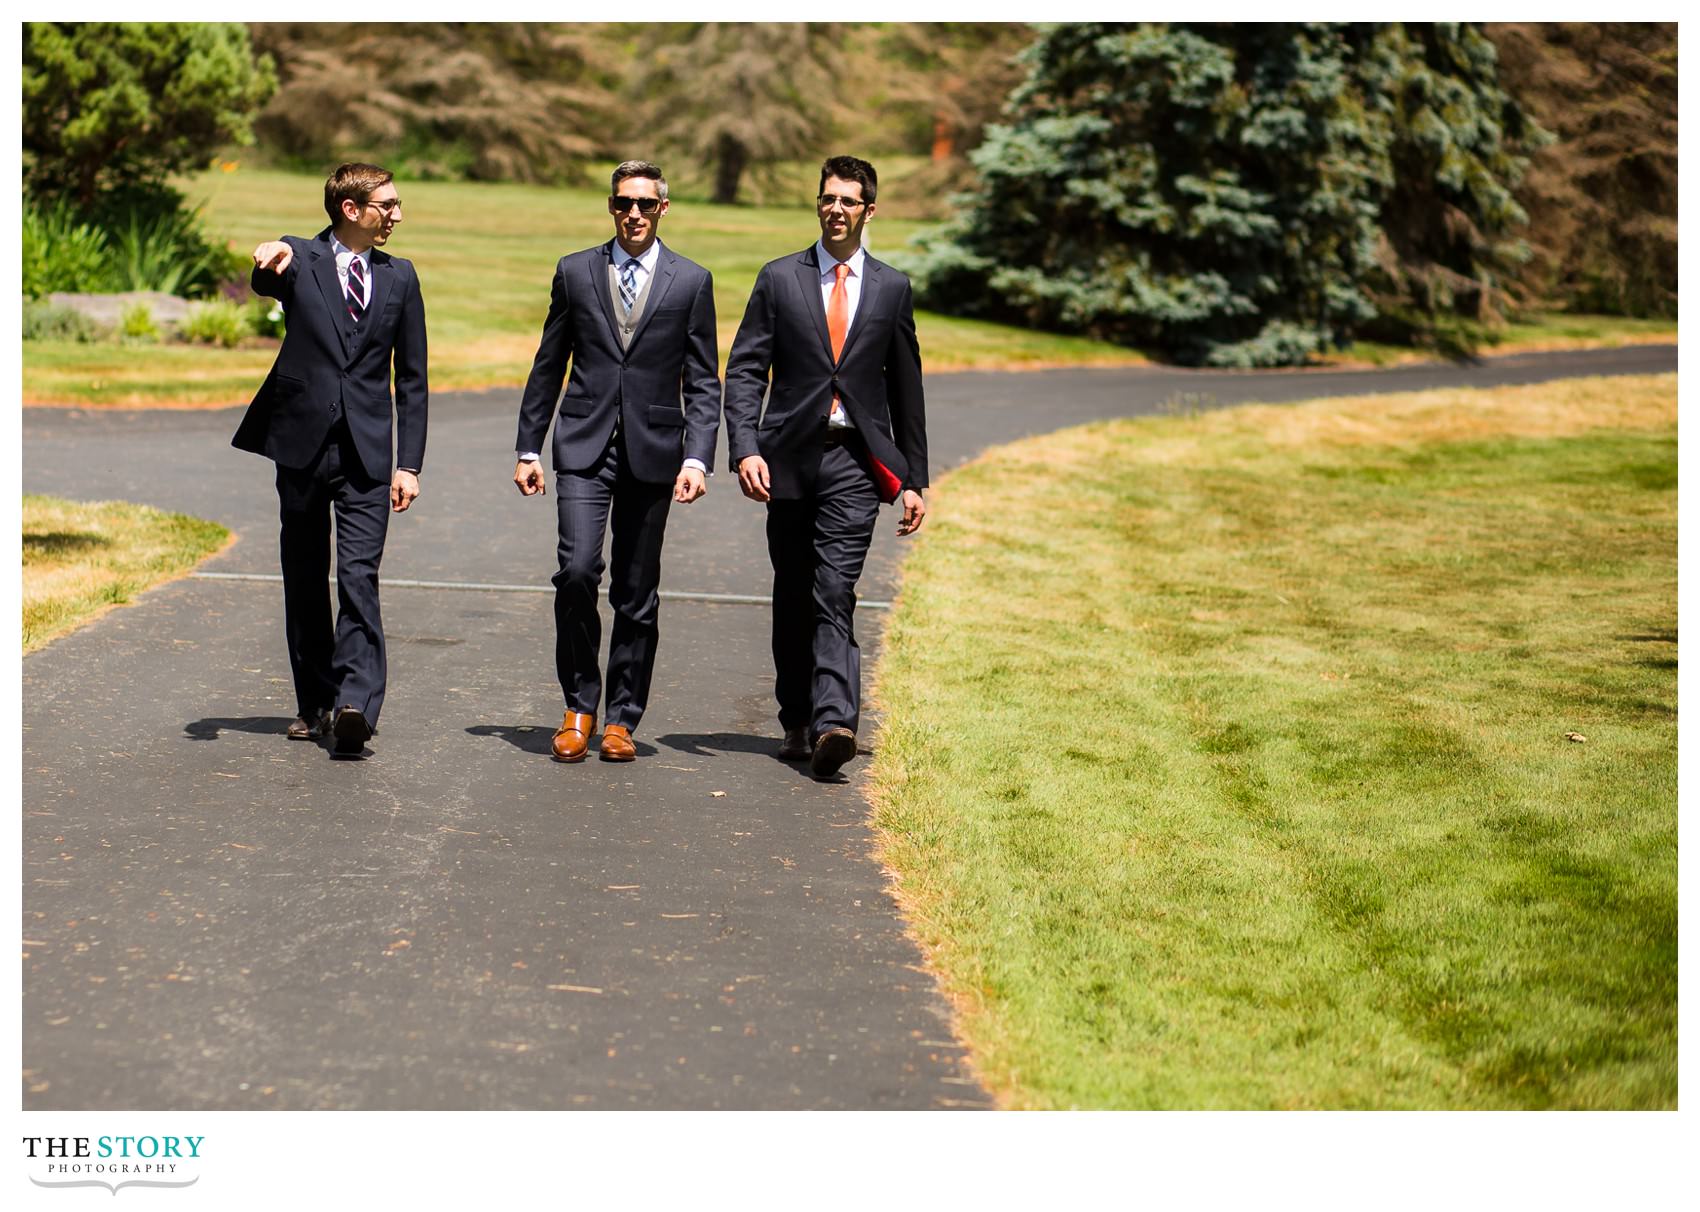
{"x": 115, "y": 108}
{"x": 1218, "y": 191}
{"x": 737, "y": 98}
{"x": 527, "y": 101}
{"x": 1602, "y": 197}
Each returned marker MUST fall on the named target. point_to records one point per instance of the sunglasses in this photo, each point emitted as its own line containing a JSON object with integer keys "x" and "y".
{"x": 619, "y": 206}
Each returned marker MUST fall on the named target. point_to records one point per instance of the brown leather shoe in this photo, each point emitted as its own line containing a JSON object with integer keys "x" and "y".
{"x": 313, "y": 726}
{"x": 833, "y": 748}
{"x": 795, "y": 747}
{"x": 572, "y": 740}
{"x": 617, "y": 744}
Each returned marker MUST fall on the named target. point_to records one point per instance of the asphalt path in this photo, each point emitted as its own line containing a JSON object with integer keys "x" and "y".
{"x": 217, "y": 918}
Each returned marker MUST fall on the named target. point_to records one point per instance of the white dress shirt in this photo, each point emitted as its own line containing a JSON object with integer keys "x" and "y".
{"x": 853, "y": 289}
{"x": 645, "y": 267}
{"x": 343, "y": 256}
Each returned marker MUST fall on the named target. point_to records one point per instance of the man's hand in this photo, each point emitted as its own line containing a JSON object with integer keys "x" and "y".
{"x": 753, "y": 478}
{"x": 689, "y": 485}
{"x": 404, "y": 487}
{"x": 275, "y": 255}
{"x": 914, "y": 510}
{"x": 528, "y": 478}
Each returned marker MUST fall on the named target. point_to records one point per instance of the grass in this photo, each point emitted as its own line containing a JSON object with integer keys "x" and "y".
{"x": 1533, "y": 333}
{"x": 486, "y": 253}
{"x": 82, "y": 558}
{"x": 1226, "y": 757}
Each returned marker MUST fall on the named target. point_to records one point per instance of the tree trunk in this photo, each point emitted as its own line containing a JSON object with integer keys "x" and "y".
{"x": 730, "y": 158}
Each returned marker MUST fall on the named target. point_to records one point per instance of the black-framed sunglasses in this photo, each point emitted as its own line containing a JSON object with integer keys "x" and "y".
{"x": 825, "y": 202}
{"x": 389, "y": 205}
{"x": 619, "y": 206}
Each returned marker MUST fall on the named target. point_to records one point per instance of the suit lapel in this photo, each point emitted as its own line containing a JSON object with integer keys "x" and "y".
{"x": 808, "y": 277}
{"x": 665, "y": 267}
{"x": 871, "y": 278}
{"x": 324, "y": 273}
{"x": 599, "y": 287}
{"x": 382, "y": 272}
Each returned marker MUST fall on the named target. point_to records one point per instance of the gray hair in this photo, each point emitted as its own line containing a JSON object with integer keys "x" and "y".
{"x": 639, "y": 168}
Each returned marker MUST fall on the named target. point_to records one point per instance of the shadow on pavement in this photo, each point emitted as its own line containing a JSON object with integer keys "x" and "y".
{"x": 528, "y": 737}
{"x": 208, "y": 730}
{"x": 706, "y": 744}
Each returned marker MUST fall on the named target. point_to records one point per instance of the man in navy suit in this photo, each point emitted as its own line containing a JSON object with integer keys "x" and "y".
{"x": 844, "y": 430}
{"x": 634, "y": 432}
{"x": 323, "y": 416}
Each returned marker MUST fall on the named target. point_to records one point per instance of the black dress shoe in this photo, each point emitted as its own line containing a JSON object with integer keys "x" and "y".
{"x": 795, "y": 747}
{"x": 312, "y": 726}
{"x": 351, "y": 732}
{"x": 833, "y": 748}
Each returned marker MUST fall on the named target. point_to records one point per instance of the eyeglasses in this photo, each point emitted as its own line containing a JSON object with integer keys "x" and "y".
{"x": 827, "y": 201}
{"x": 389, "y": 205}
{"x": 619, "y": 206}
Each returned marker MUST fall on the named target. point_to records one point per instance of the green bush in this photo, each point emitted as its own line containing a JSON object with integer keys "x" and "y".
{"x": 265, "y": 317}
{"x": 163, "y": 248}
{"x": 46, "y": 322}
{"x": 218, "y": 322}
{"x": 63, "y": 251}
{"x": 138, "y": 241}
{"x": 136, "y": 324}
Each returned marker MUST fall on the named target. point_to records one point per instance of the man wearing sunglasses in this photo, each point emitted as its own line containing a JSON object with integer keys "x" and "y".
{"x": 845, "y": 429}
{"x": 635, "y": 431}
{"x": 324, "y": 416}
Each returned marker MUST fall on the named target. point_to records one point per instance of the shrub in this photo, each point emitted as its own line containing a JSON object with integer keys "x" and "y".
{"x": 63, "y": 251}
{"x": 45, "y": 322}
{"x": 214, "y": 323}
{"x": 158, "y": 244}
{"x": 136, "y": 324}
{"x": 137, "y": 241}
{"x": 265, "y": 317}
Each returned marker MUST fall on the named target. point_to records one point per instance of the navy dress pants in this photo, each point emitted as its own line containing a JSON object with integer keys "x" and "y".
{"x": 818, "y": 545}
{"x": 585, "y": 502}
{"x": 345, "y": 666}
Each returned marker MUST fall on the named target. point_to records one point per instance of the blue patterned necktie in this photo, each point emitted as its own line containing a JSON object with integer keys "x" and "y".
{"x": 628, "y": 284}
{"x": 356, "y": 290}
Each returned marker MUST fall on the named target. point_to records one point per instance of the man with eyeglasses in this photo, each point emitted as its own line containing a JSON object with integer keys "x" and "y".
{"x": 324, "y": 416}
{"x": 635, "y": 430}
{"x": 844, "y": 431}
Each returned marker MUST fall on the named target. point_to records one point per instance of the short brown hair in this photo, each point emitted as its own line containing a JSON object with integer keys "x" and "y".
{"x": 354, "y": 183}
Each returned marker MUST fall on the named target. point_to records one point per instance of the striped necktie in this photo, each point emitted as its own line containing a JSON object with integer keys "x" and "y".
{"x": 628, "y": 284}
{"x": 356, "y": 290}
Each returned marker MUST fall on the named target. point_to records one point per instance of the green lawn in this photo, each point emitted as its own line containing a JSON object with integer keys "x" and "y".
{"x": 82, "y": 558}
{"x": 1226, "y": 758}
{"x": 485, "y": 254}
{"x": 1556, "y": 330}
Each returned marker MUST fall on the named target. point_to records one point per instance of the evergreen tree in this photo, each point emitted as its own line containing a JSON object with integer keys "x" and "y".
{"x": 116, "y": 108}
{"x": 527, "y": 101}
{"x": 736, "y": 98}
{"x": 1221, "y": 192}
{"x": 1602, "y": 197}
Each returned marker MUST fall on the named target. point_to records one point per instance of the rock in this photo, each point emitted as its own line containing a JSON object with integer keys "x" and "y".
{"x": 109, "y": 309}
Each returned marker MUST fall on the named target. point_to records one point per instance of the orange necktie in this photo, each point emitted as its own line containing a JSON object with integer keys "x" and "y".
{"x": 838, "y": 318}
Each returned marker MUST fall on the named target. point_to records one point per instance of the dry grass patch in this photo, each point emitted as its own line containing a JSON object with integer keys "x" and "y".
{"x": 82, "y": 558}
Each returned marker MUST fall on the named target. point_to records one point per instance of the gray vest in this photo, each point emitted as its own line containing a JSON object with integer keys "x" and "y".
{"x": 625, "y": 324}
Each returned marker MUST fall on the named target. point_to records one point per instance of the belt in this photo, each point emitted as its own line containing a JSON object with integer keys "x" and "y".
{"x": 836, "y": 436}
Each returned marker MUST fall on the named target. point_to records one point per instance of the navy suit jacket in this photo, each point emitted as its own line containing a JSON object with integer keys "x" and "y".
{"x": 320, "y": 367}
{"x": 664, "y": 388}
{"x": 877, "y": 377}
